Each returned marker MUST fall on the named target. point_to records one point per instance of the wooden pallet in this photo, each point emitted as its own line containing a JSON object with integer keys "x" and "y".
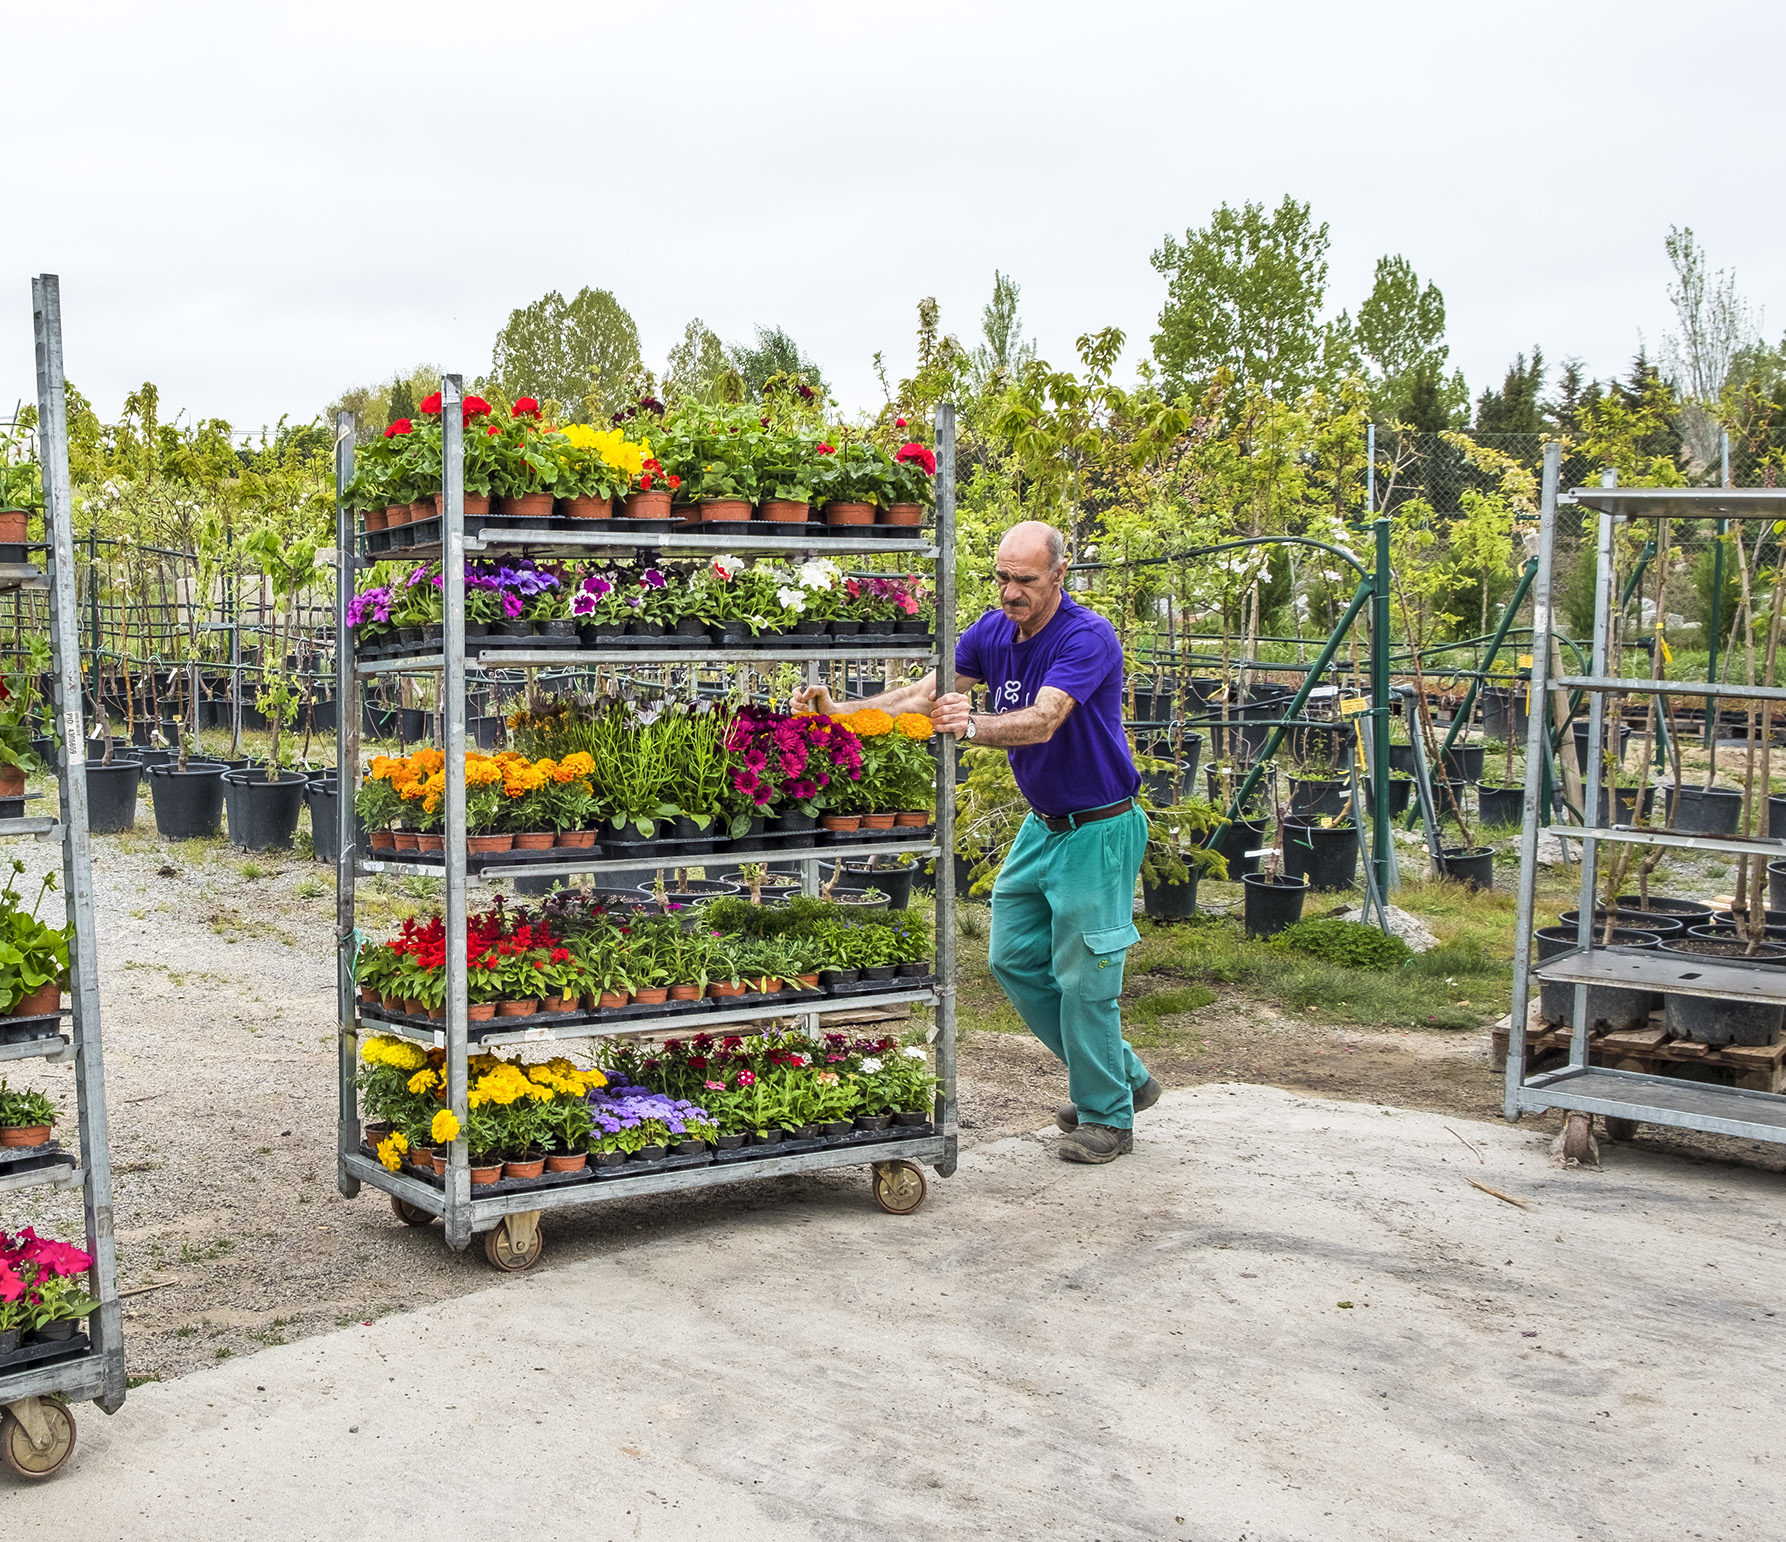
{"x": 1758, "y": 1068}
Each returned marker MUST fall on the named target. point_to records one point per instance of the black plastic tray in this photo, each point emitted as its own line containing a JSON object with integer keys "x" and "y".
{"x": 17, "y": 1030}
{"x": 44, "y": 1354}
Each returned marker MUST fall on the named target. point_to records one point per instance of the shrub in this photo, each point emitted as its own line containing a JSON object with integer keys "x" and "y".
{"x": 1350, "y": 944}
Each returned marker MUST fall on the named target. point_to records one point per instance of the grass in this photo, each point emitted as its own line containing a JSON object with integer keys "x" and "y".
{"x": 311, "y": 888}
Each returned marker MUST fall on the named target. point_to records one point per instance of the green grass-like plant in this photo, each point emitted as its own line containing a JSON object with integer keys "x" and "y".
{"x": 1351, "y": 944}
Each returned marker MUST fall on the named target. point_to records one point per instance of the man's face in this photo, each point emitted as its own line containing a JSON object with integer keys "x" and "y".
{"x": 1026, "y": 584}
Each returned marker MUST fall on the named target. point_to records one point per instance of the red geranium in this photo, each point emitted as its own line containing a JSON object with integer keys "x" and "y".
{"x": 475, "y": 407}
{"x": 674, "y": 482}
{"x": 899, "y": 422}
{"x": 492, "y": 430}
{"x": 430, "y": 404}
{"x": 401, "y": 426}
{"x": 917, "y": 455}
{"x": 827, "y": 449}
{"x": 526, "y": 407}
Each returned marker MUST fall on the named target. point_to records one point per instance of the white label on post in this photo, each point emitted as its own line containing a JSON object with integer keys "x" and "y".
{"x": 439, "y": 1039}
{"x": 535, "y": 1035}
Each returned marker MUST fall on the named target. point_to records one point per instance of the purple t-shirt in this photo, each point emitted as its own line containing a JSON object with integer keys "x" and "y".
{"x": 1087, "y": 763}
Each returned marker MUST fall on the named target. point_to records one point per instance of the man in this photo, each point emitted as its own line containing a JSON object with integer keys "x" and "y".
{"x": 1063, "y": 905}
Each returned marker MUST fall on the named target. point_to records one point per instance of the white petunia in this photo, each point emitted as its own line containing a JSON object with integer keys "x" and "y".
{"x": 870, "y": 1066}
{"x": 913, "y": 1052}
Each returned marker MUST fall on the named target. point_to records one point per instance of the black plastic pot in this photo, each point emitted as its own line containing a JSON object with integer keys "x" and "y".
{"x": 324, "y": 801}
{"x": 412, "y": 724}
{"x": 1272, "y": 903}
{"x": 153, "y": 757}
{"x": 1171, "y": 901}
{"x": 1473, "y": 866}
{"x": 1776, "y": 886}
{"x": 1708, "y": 1020}
{"x": 188, "y": 804}
{"x": 111, "y": 796}
{"x": 1500, "y": 805}
{"x": 1666, "y": 905}
{"x": 263, "y": 815}
{"x": 1401, "y": 758}
{"x": 1318, "y": 795}
{"x": 1463, "y": 762}
{"x": 1581, "y": 743}
{"x": 1609, "y": 1006}
{"x": 1401, "y": 794}
{"x": 1327, "y": 858}
{"x": 1234, "y": 840}
{"x": 626, "y": 837}
{"x": 1705, "y": 810}
{"x": 1630, "y": 920}
{"x": 1495, "y": 703}
{"x": 1627, "y": 805}
{"x": 894, "y": 882}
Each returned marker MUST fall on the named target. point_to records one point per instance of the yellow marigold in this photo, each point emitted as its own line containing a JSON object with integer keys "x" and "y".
{"x": 914, "y": 725}
{"x": 578, "y": 763}
{"x": 405, "y": 1056}
{"x": 423, "y": 1081}
{"x": 445, "y": 1128}
{"x": 484, "y": 772}
{"x": 867, "y": 722}
{"x": 546, "y": 769}
{"x": 391, "y": 1149}
{"x": 427, "y": 761}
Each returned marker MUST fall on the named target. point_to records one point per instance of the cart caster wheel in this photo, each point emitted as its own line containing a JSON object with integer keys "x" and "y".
{"x": 510, "y": 1251}
{"x": 1578, "y": 1137}
{"x": 408, "y": 1214}
{"x": 23, "y": 1457}
{"x": 1621, "y": 1129}
{"x": 898, "y": 1187}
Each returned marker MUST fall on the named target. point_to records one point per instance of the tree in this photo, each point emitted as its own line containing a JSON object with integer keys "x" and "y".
{"x": 1715, "y": 327}
{"x": 697, "y": 367}
{"x": 1575, "y": 395}
{"x": 1002, "y": 357}
{"x": 1245, "y": 292}
{"x": 580, "y": 354}
{"x": 374, "y": 407}
{"x": 1400, "y": 337}
{"x": 773, "y": 353}
{"x": 1514, "y": 409}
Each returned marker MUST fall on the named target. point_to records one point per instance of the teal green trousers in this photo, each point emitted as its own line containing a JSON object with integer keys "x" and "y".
{"x": 1062, "y": 925}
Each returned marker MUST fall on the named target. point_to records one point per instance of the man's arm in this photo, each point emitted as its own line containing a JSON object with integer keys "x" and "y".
{"x": 919, "y": 696}
{"x": 1034, "y": 724}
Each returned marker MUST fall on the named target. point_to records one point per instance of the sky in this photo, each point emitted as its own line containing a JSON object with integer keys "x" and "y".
{"x": 257, "y": 206}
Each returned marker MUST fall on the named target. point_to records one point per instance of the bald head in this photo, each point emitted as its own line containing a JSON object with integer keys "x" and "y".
{"x": 1032, "y": 565}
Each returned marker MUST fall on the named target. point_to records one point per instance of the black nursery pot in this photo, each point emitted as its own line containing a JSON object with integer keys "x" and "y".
{"x": 1272, "y": 903}
{"x": 1776, "y": 886}
{"x": 1472, "y": 866}
{"x": 1463, "y": 762}
{"x": 895, "y": 883}
{"x": 1401, "y": 758}
{"x": 1318, "y": 795}
{"x": 1631, "y": 921}
{"x": 1327, "y": 858}
{"x": 1401, "y": 794}
{"x": 188, "y": 804}
{"x": 1170, "y": 901}
{"x": 1581, "y": 744}
{"x": 111, "y": 796}
{"x": 1706, "y": 810}
{"x": 1708, "y": 1020}
{"x": 1500, "y": 805}
{"x": 263, "y": 815}
{"x": 324, "y": 800}
{"x": 1234, "y": 840}
{"x": 1609, "y": 1006}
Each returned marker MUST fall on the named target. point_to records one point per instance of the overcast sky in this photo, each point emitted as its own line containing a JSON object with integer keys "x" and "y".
{"x": 255, "y": 206}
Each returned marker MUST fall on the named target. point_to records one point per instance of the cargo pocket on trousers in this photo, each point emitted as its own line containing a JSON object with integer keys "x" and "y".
{"x": 1108, "y": 948}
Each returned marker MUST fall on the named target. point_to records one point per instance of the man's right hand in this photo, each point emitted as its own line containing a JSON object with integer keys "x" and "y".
{"x": 814, "y": 698}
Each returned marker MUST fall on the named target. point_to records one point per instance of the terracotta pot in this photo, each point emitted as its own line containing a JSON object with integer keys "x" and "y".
{"x": 24, "y": 1134}
{"x": 651, "y": 995}
{"x": 476, "y": 503}
{"x": 841, "y": 821}
{"x": 437, "y": 1014}
{"x": 431, "y": 842}
{"x": 528, "y": 1169}
{"x": 725, "y": 508}
{"x": 12, "y": 782}
{"x": 562, "y": 1003}
{"x": 768, "y": 986}
{"x": 567, "y": 1162}
{"x": 414, "y": 1008}
{"x": 485, "y": 845}
{"x": 12, "y": 527}
{"x": 375, "y": 519}
{"x": 612, "y": 999}
{"x": 423, "y": 508}
{"x": 396, "y": 514}
{"x": 810, "y": 981}
{"x": 784, "y": 511}
{"x": 408, "y": 840}
{"x": 422, "y": 1156}
{"x": 391, "y": 1003}
{"x": 849, "y": 513}
{"x": 902, "y": 514}
{"x": 368, "y": 996}
{"x": 528, "y": 506}
{"x": 41, "y": 1002}
{"x": 685, "y": 993}
{"x": 878, "y": 821}
{"x": 721, "y": 990}
{"x": 525, "y": 1008}
{"x": 534, "y": 840}
{"x": 483, "y": 1177}
{"x": 581, "y": 840}
{"x": 384, "y": 840}
{"x": 913, "y": 819}
{"x": 480, "y": 1011}
{"x": 648, "y": 505}
{"x": 587, "y": 508}
{"x": 440, "y": 1164}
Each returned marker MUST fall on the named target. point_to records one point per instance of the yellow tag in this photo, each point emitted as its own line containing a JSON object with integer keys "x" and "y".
{"x": 1662, "y": 643}
{"x": 1525, "y": 661}
{"x": 1355, "y": 706}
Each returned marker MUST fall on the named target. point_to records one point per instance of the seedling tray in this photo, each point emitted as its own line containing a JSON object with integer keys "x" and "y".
{"x": 669, "y": 1164}
{"x": 45, "y": 1353}
{"x": 22, "y": 1159}
{"x": 16, "y": 1030}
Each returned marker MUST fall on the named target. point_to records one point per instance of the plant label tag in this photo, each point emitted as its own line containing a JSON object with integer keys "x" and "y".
{"x": 535, "y": 1035}
{"x": 1525, "y": 661}
{"x": 439, "y": 1039}
{"x": 1355, "y": 706}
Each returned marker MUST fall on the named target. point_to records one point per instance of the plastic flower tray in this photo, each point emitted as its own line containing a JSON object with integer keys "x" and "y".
{"x": 43, "y": 1354}
{"x": 21, "y": 1159}
{"x": 39, "y": 1025}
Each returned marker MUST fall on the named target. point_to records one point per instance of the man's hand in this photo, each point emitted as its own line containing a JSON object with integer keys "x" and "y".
{"x": 814, "y": 698}
{"x": 949, "y": 714}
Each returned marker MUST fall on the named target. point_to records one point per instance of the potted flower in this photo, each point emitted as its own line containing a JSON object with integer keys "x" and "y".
{"x": 650, "y": 493}
{"x": 565, "y": 1129}
{"x": 42, "y": 1294}
{"x": 909, "y": 484}
{"x": 26, "y": 1117}
{"x": 16, "y": 757}
{"x": 524, "y": 469}
{"x": 21, "y": 492}
{"x": 596, "y": 465}
{"x": 33, "y": 954}
{"x": 851, "y": 478}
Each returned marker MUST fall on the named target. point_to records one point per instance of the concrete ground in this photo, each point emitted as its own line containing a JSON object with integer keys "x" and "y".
{"x": 1282, "y": 1318}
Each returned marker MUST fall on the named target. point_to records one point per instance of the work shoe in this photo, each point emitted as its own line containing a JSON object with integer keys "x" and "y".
{"x": 1066, "y": 1117}
{"x": 1096, "y": 1143}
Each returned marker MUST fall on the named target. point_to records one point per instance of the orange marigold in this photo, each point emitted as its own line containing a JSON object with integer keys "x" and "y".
{"x": 867, "y": 722}
{"x": 914, "y": 725}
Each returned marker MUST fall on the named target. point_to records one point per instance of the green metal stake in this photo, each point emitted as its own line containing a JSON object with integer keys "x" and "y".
{"x": 1382, "y": 860}
{"x": 1494, "y": 648}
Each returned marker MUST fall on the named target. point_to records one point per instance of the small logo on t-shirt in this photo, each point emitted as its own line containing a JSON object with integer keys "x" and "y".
{"x": 1009, "y": 696}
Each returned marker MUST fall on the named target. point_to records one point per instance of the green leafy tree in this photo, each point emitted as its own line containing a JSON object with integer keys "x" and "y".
{"x": 1245, "y": 293}
{"x": 581, "y": 355}
{"x": 699, "y": 369}
{"x": 402, "y": 400}
{"x": 773, "y": 353}
{"x": 1515, "y": 408}
{"x": 375, "y": 407}
{"x": 1400, "y": 336}
{"x": 1004, "y": 354}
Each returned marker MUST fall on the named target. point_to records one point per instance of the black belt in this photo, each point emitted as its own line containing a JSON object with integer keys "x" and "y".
{"x": 1060, "y": 824}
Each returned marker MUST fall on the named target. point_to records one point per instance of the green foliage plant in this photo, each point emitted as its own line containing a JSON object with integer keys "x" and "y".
{"x": 1350, "y": 944}
{"x": 32, "y": 953}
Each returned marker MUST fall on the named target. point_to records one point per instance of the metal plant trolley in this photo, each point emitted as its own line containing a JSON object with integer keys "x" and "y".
{"x": 1579, "y": 1088}
{"x": 37, "y": 1382}
{"x": 509, "y": 1221}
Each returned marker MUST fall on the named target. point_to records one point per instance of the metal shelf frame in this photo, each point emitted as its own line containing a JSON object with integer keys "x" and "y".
{"x": 97, "y": 1375}
{"x": 1578, "y": 1087}
{"x": 464, "y": 1213}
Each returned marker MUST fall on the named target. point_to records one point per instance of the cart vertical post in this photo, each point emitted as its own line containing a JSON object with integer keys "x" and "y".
{"x": 347, "y": 776}
{"x": 945, "y": 789}
{"x": 452, "y": 539}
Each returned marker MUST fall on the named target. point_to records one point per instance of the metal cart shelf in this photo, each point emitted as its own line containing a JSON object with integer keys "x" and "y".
{"x": 1580, "y": 1089}
{"x": 509, "y": 1220}
{"x": 37, "y": 1431}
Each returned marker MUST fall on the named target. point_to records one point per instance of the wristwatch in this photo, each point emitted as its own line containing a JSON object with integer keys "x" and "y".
{"x": 971, "y": 730}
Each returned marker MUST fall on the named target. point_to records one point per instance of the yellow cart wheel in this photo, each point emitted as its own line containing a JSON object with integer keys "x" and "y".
{"x": 516, "y": 1244}
{"x": 410, "y": 1215}
{"x": 23, "y": 1455}
{"x": 898, "y": 1187}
